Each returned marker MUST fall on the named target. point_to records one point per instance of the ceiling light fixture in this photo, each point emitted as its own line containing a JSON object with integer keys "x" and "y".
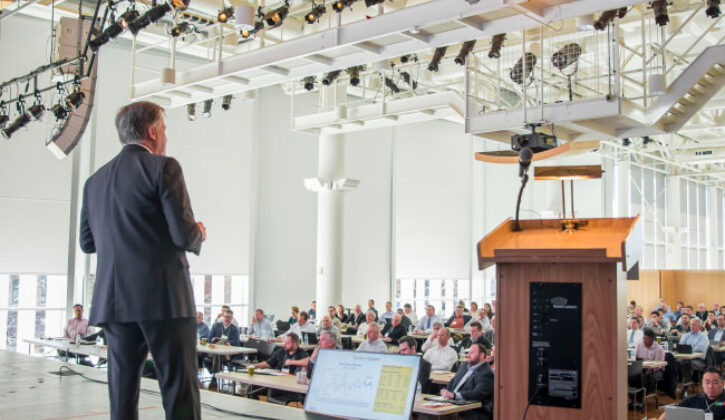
{"x": 151, "y": 16}
{"x": 191, "y": 112}
{"x": 313, "y": 16}
{"x": 330, "y": 77}
{"x": 227, "y": 102}
{"x": 206, "y": 112}
{"x": 276, "y": 16}
{"x": 354, "y": 73}
{"x": 660, "y": 10}
{"x": 309, "y": 83}
{"x": 224, "y": 14}
{"x": 465, "y": 50}
{"x": 437, "y": 57}
{"x": 713, "y": 9}
{"x": 496, "y": 44}
{"x": 391, "y": 85}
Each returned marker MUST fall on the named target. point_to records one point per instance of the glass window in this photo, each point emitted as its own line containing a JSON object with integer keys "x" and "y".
{"x": 213, "y": 291}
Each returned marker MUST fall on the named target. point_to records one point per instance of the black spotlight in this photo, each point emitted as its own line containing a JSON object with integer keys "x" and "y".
{"x": 370, "y": 3}
{"x": 309, "y": 83}
{"x": 340, "y": 5}
{"x": 225, "y": 14}
{"x": 646, "y": 140}
{"x": 59, "y": 111}
{"x": 206, "y": 113}
{"x": 622, "y": 12}
{"x": 330, "y": 77}
{"x": 408, "y": 80}
{"x": 437, "y": 57}
{"x": 36, "y": 111}
{"x": 626, "y": 142}
{"x": 191, "y": 112}
{"x": 354, "y": 73}
{"x": 405, "y": 58}
{"x": 153, "y": 15}
{"x": 660, "y": 9}
{"x": 465, "y": 50}
{"x": 713, "y": 9}
{"x": 313, "y": 16}
{"x": 113, "y": 30}
{"x": 226, "y": 102}
{"x": 391, "y": 85}
{"x": 181, "y": 28}
{"x": 22, "y": 120}
{"x": 75, "y": 99}
{"x": 276, "y": 16}
{"x": 517, "y": 73}
{"x": 127, "y": 18}
{"x": 246, "y": 33}
{"x": 496, "y": 44}
{"x": 566, "y": 56}
{"x": 605, "y": 18}
{"x": 4, "y": 117}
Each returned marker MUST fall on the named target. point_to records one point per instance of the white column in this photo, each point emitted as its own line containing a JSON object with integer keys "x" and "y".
{"x": 713, "y": 228}
{"x": 330, "y": 213}
{"x": 675, "y": 237}
{"x": 621, "y": 192}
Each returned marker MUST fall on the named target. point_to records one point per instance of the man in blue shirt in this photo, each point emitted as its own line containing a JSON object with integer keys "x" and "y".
{"x": 260, "y": 327}
{"x": 388, "y": 314}
{"x": 425, "y": 324}
{"x": 201, "y": 327}
{"x": 698, "y": 341}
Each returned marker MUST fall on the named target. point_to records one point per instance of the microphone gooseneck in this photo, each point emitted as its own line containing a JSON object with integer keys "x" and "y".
{"x": 525, "y": 157}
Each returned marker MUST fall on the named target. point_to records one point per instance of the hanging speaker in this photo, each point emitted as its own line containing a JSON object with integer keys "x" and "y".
{"x": 71, "y": 41}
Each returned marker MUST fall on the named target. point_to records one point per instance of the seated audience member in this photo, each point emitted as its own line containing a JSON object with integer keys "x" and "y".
{"x": 371, "y": 307}
{"x": 634, "y": 333}
{"x": 476, "y": 337}
{"x": 712, "y": 400}
{"x": 327, "y": 327}
{"x": 715, "y": 308}
{"x": 340, "y": 314}
{"x": 458, "y": 320}
{"x": 686, "y": 310}
{"x": 77, "y": 325}
{"x": 649, "y": 349}
{"x": 473, "y": 381}
{"x": 302, "y": 326}
{"x": 354, "y": 320}
{"x": 373, "y": 344}
{"x": 658, "y": 325}
{"x": 474, "y": 308}
{"x": 488, "y": 311}
{"x": 710, "y": 323}
{"x": 432, "y": 340}
{"x": 425, "y": 324}
{"x": 394, "y": 331}
{"x": 404, "y": 320}
{"x": 638, "y": 312}
{"x": 201, "y": 328}
{"x": 221, "y": 315}
{"x": 441, "y": 357}
{"x": 490, "y": 334}
{"x": 225, "y": 330}
{"x": 462, "y": 304}
{"x": 677, "y": 313}
{"x": 718, "y": 333}
{"x": 480, "y": 317}
{"x": 701, "y": 311}
{"x": 682, "y": 327}
{"x": 327, "y": 341}
{"x": 260, "y": 326}
{"x": 369, "y": 319}
{"x": 294, "y": 314}
{"x": 333, "y": 317}
{"x": 630, "y": 308}
{"x": 284, "y": 359}
{"x": 312, "y": 313}
{"x": 412, "y": 316}
{"x": 662, "y": 303}
{"x": 698, "y": 340}
{"x": 388, "y": 314}
{"x": 406, "y": 345}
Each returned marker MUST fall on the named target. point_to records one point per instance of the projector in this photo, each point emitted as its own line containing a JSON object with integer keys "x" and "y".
{"x": 538, "y": 142}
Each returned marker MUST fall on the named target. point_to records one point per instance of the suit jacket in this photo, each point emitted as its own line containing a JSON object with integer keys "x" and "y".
{"x": 478, "y": 387}
{"x": 395, "y": 332}
{"x": 356, "y": 320}
{"x": 424, "y": 375}
{"x": 711, "y": 334}
{"x": 467, "y": 342}
{"x": 137, "y": 216}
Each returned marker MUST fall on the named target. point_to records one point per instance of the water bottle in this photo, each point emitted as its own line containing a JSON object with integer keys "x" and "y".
{"x": 306, "y": 339}
{"x": 78, "y": 339}
{"x": 418, "y": 388}
{"x": 302, "y": 376}
{"x": 410, "y": 329}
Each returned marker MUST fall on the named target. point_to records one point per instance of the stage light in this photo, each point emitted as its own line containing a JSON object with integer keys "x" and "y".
{"x": 330, "y": 77}
{"x": 465, "y": 50}
{"x": 22, "y": 120}
{"x": 181, "y": 28}
{"x": 206, "y": 112}
{"x": 340, "y": 5}
{"x": 191, "y": 112}
{"x": 605, "y": 18}
{"x": 713, "y": 9}
{"x": 36, "y": 111}
{"x": 180, "y": 4}
{"x": 437, "y": 57}
{"x": 4, "y": 117}
{"x": 646, "y": 140}
{"x": 75, "y": 99}
{"x": 391, "y": 85}
{"x": 276, "y": 16}
{"x": 622, "y": 12}
{"x": 225, "y": 14}
{"x": 148, "y": 18}
{"x": 59, "y": 111}
{"x": 408, "y": 80}
{"x": 246, "y": 33}
{"x": 496, "y": 44}
{"x": 405, "y": 58}
{"x": 660, "y": 10}
{"x": 566, "y": 56}
{"x": 226, "y": 102}
{"x": 313, "y": 15}
{"x": 517, "y": 72}
{"x": 370, "y": 3}
{"x": 626, "y": 142}
{"x": 112, "y": 31}
{"x": 309, "y": 83}
{"x": 127, "y": 18}
{"x": 354, "y": 73}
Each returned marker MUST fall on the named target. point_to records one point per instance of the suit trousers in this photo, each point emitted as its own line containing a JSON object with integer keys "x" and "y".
{"x": 173, "y": 345}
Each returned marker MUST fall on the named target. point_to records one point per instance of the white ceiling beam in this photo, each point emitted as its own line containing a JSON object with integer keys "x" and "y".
{"x": 320, "y": 59}
{"x": 276, "y": 70}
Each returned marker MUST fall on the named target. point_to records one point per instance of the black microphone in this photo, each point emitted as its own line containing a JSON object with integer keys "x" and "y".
{"x": 525, "y": 156}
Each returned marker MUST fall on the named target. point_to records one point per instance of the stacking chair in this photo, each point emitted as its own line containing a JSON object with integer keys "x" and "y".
{"x": 635, "y": 384}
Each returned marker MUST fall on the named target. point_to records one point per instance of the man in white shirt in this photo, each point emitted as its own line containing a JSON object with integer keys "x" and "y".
{"x": 301, "y": 326}
{"x": 388, "y": 314}
{"x": 441, "y": 357}
{"x": 260, "y": 326}
{"x": 634, "y": 333}
{"x": 412, "y": 316}
{"x": 433, "y": 339}
{"x": 77, "y": 325}
{"x": 481, "y": 317}
{"x": 425, "y": 324}
{"x": 369, "y": 319}
{"x": 373, "y": 344}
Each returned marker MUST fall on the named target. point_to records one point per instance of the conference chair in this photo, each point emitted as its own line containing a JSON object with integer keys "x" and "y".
{"x": 282, "y": 326}
{"x": 635, "y": 384}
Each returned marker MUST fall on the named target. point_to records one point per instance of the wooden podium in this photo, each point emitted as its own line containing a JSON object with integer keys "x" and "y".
{"x": 586, "y": 263}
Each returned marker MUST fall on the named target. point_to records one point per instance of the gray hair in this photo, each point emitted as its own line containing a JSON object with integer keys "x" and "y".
{"x": 437, "y": 325}
{"x": 134, "y": 119}
{"x": 374, "y": 325}
{"x": 330, "y": 334}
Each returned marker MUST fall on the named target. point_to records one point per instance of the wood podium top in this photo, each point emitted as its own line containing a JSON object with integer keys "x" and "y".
{"x": 601, "y": 240}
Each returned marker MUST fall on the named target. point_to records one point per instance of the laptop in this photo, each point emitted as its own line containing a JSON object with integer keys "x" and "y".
{"x": 684, "y": 349}
{"x": 311, "y": 337}
{"x": 682, "y": 413}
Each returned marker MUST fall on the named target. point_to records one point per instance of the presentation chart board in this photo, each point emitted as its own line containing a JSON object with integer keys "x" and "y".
{"x": 363, "y": 385}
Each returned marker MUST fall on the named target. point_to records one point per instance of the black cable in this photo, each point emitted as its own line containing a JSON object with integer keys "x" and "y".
{"x": 157, "y": 393}
{"x": 539, "y": 387}
{"x": 524, "y": 180}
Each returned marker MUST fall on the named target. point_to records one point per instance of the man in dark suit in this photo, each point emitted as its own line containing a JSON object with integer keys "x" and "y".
{"x": 473, "y": 381}
{"x": 406, "y": 345}
{"x": 394, "y": 331}
{"x": 476, "y": 337}
{"x": 137, "y": 216}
